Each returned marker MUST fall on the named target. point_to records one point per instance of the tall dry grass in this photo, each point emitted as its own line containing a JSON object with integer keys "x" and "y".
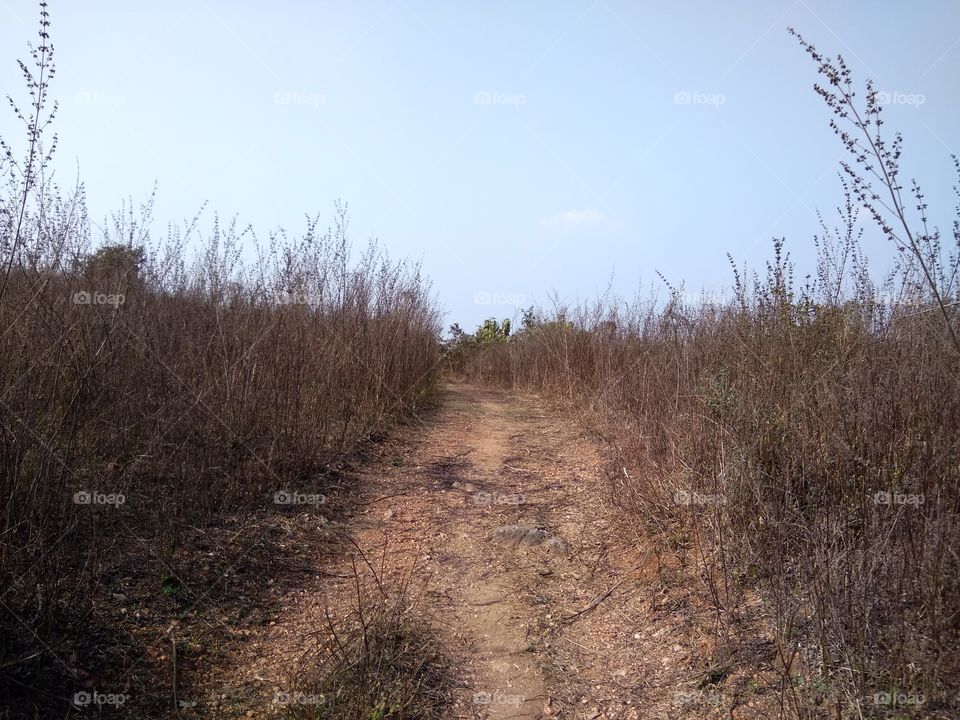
{"x": 149, "y": 385}
{"x": 800, "y": 437}
{"x": 808, "y": 448}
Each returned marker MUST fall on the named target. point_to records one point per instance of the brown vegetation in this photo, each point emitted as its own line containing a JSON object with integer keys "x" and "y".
{"x": 800, "y": 438}
{"x": 149, "y": 388}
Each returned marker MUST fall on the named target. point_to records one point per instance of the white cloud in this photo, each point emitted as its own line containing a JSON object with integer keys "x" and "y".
{"x": 574, "y": 219}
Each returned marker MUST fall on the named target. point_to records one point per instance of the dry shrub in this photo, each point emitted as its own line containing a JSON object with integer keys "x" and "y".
{"x": 808, "y": 448}
{"x": 796, "y": 437}
{"x": 379, "y": 661}
{"x": 148, "y": 386}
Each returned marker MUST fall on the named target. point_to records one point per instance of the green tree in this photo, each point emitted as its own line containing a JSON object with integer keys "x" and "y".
{"x": 491, "y": 331}
{"x": 116, "y": 266}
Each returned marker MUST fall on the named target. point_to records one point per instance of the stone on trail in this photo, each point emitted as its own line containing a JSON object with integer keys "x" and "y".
{"x": 558, "y": 546}
{"x": 516, "y": 535}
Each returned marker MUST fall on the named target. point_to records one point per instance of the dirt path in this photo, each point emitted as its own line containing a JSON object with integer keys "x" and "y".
{"x": 495, "y": 512}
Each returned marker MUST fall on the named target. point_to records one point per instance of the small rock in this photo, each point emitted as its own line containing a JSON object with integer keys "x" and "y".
{"x": 119, "y": 597}
{"x": 554, "y": 544}
{"x": 388, "y": 515}
{"x": 516, "y": 535}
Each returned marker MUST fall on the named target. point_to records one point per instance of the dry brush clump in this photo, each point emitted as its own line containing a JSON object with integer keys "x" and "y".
{"x": 809, "y": 448}
{"x": 379, "y": 660}
{"x": 148, "y": 386}
{"x": 800, "y": 437}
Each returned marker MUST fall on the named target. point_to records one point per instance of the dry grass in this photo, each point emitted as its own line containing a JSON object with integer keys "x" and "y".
{"x": 149, "y": 387}
{"x": 810, "y": 450}
{"x": 800, "y": 438}
{"x": 381, "y": 661}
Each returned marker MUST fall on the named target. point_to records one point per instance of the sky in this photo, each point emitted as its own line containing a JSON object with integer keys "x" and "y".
{"x": 517, "y": 150}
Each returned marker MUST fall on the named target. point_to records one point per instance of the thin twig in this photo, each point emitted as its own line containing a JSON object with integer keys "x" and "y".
{"x": 580, "y": 613}
{"x": 176, "y": 700}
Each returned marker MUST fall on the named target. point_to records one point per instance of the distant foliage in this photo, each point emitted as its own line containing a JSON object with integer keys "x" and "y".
{"x": 462, "y": 345}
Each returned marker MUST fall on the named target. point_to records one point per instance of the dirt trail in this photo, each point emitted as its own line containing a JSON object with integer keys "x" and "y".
{"x": 532, "y": 628}
{"x": 483, "y": 596}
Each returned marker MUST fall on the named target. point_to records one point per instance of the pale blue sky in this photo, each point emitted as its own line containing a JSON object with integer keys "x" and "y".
{"x": 514, "y": 148}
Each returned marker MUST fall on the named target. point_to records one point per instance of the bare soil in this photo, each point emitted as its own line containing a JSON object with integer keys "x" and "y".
{"x": 577, "y": 618}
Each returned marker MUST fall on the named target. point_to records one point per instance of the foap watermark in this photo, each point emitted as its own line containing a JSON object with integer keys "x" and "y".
{"x": 85, "y": 698}
{"x": 896, "y": 97}
{"x": 497, "y": 697}
{"x": 282, "y": 697}
{"x": 487, "y": 97}
{"x": 86, "y": 297}
{"x": 293, "y": 97}
{"x": 705, "y": 297}
{"x": 899, "y": 699}
{"x": 484, "y": 297}
{"x": 88, "y": 97}
{"x": 295, "y": 298}
{"x": 894, "y": 300}
{"x": 284, "y": 497}
{"x": 696, "y": 97}
{"x": 485, "y": 498}
{"x": 884, "y": 497}
{"x": 88, "y": 497}
{"x": 691, "y": 497}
